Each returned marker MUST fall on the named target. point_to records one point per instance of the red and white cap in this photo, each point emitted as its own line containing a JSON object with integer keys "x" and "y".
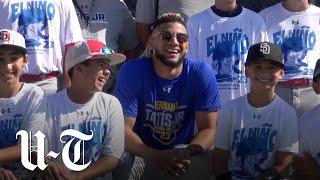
{"x": 12, "y": 39}
{"x": 90, "y": 50}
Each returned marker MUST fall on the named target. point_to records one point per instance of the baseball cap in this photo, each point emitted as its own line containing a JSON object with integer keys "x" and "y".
{"x": 90, "y": 50}
{"x": 316, "y": 70}
{"x": 12, "y": 39}
{"x": 266, "y": 51}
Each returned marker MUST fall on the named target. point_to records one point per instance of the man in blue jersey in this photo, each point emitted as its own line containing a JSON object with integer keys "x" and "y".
{"x": 164, "y": 98}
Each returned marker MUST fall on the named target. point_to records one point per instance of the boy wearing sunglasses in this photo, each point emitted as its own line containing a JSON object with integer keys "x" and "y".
{"x": 221, "y": 36}
{"x": 307, "y": 166}
{"x": 164, "y": 97}
{"x": 257, "y": 133}
{"x": 19, "y": 103}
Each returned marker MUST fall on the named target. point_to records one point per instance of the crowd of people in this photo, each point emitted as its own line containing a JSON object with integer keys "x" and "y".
{"x": 181, "y": 90}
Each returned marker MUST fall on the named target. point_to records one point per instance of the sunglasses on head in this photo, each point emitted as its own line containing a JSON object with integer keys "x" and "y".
{"x": 167, "y": 36}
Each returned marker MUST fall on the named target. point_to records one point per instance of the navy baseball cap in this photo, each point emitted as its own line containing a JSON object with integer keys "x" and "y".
{"x": 266, "y": 51}
{"x": 316, "y": 71}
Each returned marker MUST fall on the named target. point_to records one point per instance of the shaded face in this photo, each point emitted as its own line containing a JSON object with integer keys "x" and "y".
{"x": 95, "y": 73}
{"x": 264, "y": 74}
{"x": 169, "y": 44}
{"x": 12, "y": 61}
{"x": 316, "y": 85}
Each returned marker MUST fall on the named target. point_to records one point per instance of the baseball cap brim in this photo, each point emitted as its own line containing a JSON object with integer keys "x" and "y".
{"x": 23, "y": 50}
{"x": 113, "y": 59}
{"x": 275, "y": 62}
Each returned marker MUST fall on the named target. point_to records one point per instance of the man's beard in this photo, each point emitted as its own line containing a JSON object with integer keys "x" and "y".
{"x": 165, "y": 61}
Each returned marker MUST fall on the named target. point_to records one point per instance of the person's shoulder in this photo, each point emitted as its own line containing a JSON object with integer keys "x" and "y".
{"x": 235, "y": 104}
{"x": 31, "y": 90}
{"x": 310, "y": 117}
{"x": 105, "y": 96}
{"x": 198, "y": 17}
{"x": 269, "y": 11}
{"x": 314, "y": 9}
{"x": 249, "y": 14}
{"x": 198, "y": 67}
{"x": 114, "y": 5}
{"x": 56, "y": 96}
{"x": 283, "y": 107}
{"x": 132, "y": 64}
{"x": 108, "y": 100}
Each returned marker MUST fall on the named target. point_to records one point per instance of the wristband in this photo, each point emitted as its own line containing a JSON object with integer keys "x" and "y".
{"x": 194, "y": 149}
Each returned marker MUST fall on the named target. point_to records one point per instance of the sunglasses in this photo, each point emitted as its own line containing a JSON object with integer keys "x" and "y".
{"x": 167, "y": 36}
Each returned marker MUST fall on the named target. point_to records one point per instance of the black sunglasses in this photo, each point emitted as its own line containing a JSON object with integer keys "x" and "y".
{"x": 167, "y": 36}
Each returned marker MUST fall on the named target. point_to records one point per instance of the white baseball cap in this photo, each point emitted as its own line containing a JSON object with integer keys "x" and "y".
{"x": 12, "y": 38}
{"x": 90, "y": 50}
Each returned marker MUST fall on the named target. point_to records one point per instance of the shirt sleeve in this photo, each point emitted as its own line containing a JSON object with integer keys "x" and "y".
{"x": 113, "y": 143}
{"x": 223, "y": 129}
{"x": 260, "y": 31}
{"x": 193, "y": 40}
{"x": 128, "y": 38}
{"x": 303, "y": 137}
{"x": 288, "y": 137}
{"x": 70, "y": 30}
{"x": 206, "y": 94}
{"x": 145, "y": 11}
{"x": 35, "y": 118}
{"x": 126, "y": 91}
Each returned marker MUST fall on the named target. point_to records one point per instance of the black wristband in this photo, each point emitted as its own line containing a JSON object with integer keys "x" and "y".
{"x": 224, "y": 176}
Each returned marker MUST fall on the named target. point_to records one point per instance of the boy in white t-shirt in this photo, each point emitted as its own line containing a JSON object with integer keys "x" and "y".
{"x": 221, "y": 36}
{"x": 308, "y": 165}
{"x": 19, "y": 102}
{"x": 294, "y": 25}
{"x": 84, "y": 108}
{"x": 257, "y": 133}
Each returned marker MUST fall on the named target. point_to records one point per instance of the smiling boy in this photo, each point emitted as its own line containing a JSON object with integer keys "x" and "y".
{"x": 257, "y": 133}
{"x": 83, "y": 107}
{"x": 19, "y": 102}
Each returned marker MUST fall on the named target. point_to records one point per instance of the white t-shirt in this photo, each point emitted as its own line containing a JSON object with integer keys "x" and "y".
{"x": 46, "y": 25}
{"x": 102, "y": 114}
{"x": 253, "y": 135}
{"x": 309, "y": 140}
{"x": 109, "y": 22}
{"x": 298, "y": 34}
{"x": 223, "y": 42}
{"x": 20, "y": 113}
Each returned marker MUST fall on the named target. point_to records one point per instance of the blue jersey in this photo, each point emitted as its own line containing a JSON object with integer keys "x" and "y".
{"x": 165, "y": 109}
